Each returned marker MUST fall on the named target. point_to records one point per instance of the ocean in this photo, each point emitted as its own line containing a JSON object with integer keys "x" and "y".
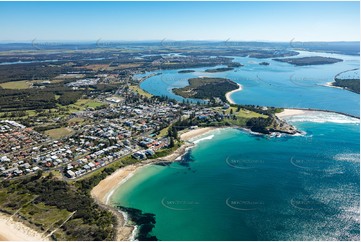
{"x": 234, "y": 185}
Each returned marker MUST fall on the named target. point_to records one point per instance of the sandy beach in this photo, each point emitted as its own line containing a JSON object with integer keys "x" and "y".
{"x": 330, "y": 84}
{"x": 17, "y": 231}
{"x": 228, "y": 94}
{"x": 290, "y": 112}
{"x": 11, "y": 230}
{"x": 194, "y": 133}
{"x": 103, "y": 191}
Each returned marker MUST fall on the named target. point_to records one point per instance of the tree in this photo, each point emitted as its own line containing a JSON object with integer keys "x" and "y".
{"x": 171, "y": 142}
{"x": 39, "y": 174}
{"x": 175, "y": 132}
{"x": 50, "y": 176}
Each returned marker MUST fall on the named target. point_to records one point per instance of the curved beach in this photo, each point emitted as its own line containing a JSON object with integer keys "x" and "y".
{"x": 228, "y": 94}
{"x": 11, "y": 230}
{"x": 104, "y": 190}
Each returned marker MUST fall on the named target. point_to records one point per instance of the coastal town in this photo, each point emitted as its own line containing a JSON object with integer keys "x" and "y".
{"x": 82, "y": 125}
{"x": 99, "y": 124}
{"x": 180, "y": 121}
{"x": 123, "y": 121}
{"x": 116, "y": 131}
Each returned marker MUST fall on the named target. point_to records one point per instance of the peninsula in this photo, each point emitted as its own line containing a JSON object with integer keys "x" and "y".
{"x": 206, "y": 88}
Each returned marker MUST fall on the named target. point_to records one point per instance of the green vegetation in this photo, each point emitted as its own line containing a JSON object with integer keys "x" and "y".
{"x": 90, "y": 180}
{"x": 31, "y": 71}
{"x": 256, "y": 118}
{"x": 16, "y": 85}
{"x": 312, "y": 60}
{"x": 219, "y": 70}
{"x": 69, "y": 97}
{"x": 244, "y": 113}
{"x": 206, "y": 88}
{"x": 140, "y": 91}
{"x": 83, "y": 103}
{"x": 352, "y": 85}
{"x": 38, "y": 98}
{"x": 48, "y": 204}
{"x": 26, "y": 99}
{"x": 58, "y": 133}
{"x": 259, "y": 124}
{"x": 234, "y": 64}
{"x": 163, "y": 132}
{"x": 75, "y": 121}
{"x": 167, "y": 151}
{"x": 186, "y": 71}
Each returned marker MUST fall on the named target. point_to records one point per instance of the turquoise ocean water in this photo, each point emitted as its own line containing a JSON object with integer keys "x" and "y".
{"x": 234, "y": 185}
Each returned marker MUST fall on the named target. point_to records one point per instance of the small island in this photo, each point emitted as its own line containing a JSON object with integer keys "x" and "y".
{"x": 264, "y": 64}
{"x": 186, "y": 71}
{"x": 206, "y": 88}
{"x": 222, "y": 69}
{"x": 312, "y": 60}
{"x": 234, "y": 64}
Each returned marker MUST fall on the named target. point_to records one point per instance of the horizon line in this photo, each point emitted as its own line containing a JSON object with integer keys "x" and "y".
{"x": 163, "y": 40}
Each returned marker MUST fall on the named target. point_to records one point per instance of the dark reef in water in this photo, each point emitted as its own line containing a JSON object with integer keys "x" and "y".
{"x": 144, "y": 221}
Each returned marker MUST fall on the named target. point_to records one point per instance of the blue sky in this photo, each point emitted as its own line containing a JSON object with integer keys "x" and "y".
{"x": 268, "y": 21}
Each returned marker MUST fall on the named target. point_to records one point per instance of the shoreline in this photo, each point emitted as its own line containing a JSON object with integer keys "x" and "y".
{"x": 106, "y": 187}
{"x": 298, "y": 111}
{"x": 228, "y": 94}
{"x": 12, "y": 230}
{"x": 330, "y": 84}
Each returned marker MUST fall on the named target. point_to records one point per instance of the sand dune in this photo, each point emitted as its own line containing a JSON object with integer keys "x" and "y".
{"x": 16, "y": 231}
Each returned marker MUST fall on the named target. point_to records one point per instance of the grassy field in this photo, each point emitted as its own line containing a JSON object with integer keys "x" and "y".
{"x": 88, "y": 103}
{"x": 163, "y": 132}
{"x": 140, "y": 91}
{"x": 58, "y": 133}
{"x": 45, "y": 203}
{"x": 76, "y": 121}
{"x": 41, "y": 215}
{"x": 129, "y": 65}
{"x": 82, "y": 104}
{"x": 48, "y": 217}
{"x": 243, "y": 113}
{"x": 16, "y": 85}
